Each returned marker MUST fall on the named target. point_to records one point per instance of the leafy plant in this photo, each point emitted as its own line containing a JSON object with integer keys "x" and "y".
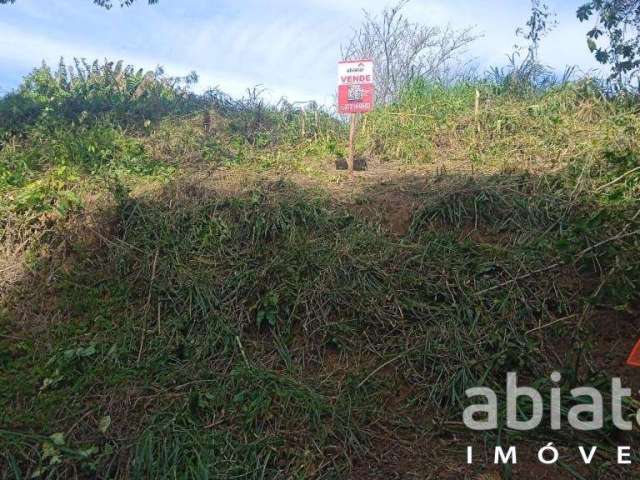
{"x": 615, "y": 39}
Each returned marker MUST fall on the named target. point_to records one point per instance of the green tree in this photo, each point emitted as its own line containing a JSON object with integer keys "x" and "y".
{"x": 615, "y": 38}
{"x": 541, "y": 22}
{"x": 102, "y": 3}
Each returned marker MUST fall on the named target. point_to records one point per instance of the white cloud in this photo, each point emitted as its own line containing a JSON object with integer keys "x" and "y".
{"x": 288, "y": 46}
{"x": 34, "y": 48}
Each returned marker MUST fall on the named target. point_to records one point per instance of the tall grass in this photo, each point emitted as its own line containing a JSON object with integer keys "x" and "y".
{"x": 572, "y": 123}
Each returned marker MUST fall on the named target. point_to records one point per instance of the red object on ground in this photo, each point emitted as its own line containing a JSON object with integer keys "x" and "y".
{"x": 634, "y": 358}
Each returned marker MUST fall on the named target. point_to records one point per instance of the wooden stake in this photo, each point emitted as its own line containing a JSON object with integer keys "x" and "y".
{"x": 352, "y": 135}
{"x": 477, "y": 110}
{"x": 315, "y": 134}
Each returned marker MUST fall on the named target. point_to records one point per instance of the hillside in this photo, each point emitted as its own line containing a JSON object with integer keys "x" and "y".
{"x": 189, "y": 287}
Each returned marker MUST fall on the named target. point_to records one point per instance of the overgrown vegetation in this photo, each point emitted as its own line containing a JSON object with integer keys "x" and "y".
{"x": 190, "y": 290}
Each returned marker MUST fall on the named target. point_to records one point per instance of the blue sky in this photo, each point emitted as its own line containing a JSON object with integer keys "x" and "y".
{"x": 289, "y": 47}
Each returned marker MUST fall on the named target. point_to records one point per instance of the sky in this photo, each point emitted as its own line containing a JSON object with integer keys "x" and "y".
{"x": 288, "y": 47}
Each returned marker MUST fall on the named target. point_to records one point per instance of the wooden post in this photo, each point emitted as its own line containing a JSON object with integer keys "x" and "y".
{"x": 477, "y": 118}
{"x": 352, "y": 135}
{"x": 477, "y": 110}
{"x": 317, "y": 117}
{"x": 206, "y": 122}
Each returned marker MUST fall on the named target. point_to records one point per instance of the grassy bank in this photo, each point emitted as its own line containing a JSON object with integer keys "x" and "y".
{"x": 184, "y": 301}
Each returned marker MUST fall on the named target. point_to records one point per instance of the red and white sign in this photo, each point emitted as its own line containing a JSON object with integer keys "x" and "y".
{"x": 355, "y": 86}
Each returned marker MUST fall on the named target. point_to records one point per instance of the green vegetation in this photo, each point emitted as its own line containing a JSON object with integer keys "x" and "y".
{"x": 615, "y": 38}
{"x": 190, "y": 289}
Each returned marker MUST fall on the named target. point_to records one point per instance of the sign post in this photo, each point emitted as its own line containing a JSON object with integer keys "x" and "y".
{"x": 352, "y": 136}
{"x": 355, "y": 95}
